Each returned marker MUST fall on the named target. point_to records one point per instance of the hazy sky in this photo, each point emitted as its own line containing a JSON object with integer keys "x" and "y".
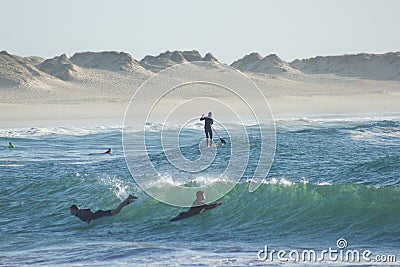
{"x": 228, "y": 29}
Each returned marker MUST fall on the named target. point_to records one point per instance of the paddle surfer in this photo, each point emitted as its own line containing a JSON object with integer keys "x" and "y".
{"x": 208, "y": 121}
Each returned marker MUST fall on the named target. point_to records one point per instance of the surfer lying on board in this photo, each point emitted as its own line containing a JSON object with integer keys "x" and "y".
{"x": 197, "y": 206}
{"x": 87, "y": 215}
{"x": 208, "y": 121}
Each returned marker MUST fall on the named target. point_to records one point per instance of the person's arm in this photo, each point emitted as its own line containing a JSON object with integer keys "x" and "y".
{"x": 202, "y": 117}
{"x": 211, "y": 206}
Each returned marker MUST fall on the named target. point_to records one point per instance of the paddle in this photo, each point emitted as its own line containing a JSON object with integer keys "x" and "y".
{"x": 223, "y": 142}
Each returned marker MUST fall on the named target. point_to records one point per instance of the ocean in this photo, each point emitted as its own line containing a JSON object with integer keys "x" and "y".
{"x": 334, "y": 185}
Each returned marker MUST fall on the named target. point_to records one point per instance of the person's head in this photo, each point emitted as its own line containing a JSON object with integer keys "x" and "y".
{"x": 200, "y": 195}
{"x": 10, "y": 143}
{"x": 210, "y": 114}
{"x": 74, "y": 209}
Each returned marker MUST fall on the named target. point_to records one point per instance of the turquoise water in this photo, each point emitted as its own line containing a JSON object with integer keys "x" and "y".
{"x": 331, "y": 179}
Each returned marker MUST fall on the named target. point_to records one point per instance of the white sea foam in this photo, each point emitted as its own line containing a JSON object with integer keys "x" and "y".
{"x": 119, "y": 187}
{"x": 203, "y": 180}
{"x": 289, "y": 123}
{"x": 323, "y": 183}
{"x": 387, "y": 135}
{"x": 286, "y": 182}
{"x": 163, "y": 180}
{"x": 169, "y": 180}
{"x": 55, "y": 131}
{"x": 281, "y": 181}
{"x": 11, "y": 165}
{"x": 78, "y": 163}
{"x": 275, "y": 181}
{"x": 339, "y": 119}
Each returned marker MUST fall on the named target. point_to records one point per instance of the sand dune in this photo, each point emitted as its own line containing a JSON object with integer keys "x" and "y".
{"x": 113, "y": 61}
{"x": 60, "y": 67}
{"x": 367, "y": 66}
{"x": 271, "y": 64}
{"x": 17, "y": 71}
{"x": 168, "y": 59}
{"x": 20, "y": 71}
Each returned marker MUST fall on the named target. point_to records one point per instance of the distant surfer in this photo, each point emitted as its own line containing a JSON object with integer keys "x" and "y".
{"x": 198, "y": 205}
{"x": 208, "y": 121}
{"x": 10, "y": 145}
{"x": 109, "y": 151}
{"x": 87, "y": 215}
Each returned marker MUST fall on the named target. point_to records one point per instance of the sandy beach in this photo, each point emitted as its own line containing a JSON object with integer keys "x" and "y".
{"x": 92, "y": 113}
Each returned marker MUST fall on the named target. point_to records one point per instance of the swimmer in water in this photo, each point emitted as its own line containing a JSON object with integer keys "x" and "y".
{"x": 109, "y": 151}
{"x": 198, "y": 205}
{"x": 87, "y": 215}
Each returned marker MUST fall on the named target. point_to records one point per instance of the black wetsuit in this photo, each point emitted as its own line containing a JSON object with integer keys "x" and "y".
{"x": 207, "y": 126}
{"x": 193, "y": 211}
{"x": 87, "y": 215}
